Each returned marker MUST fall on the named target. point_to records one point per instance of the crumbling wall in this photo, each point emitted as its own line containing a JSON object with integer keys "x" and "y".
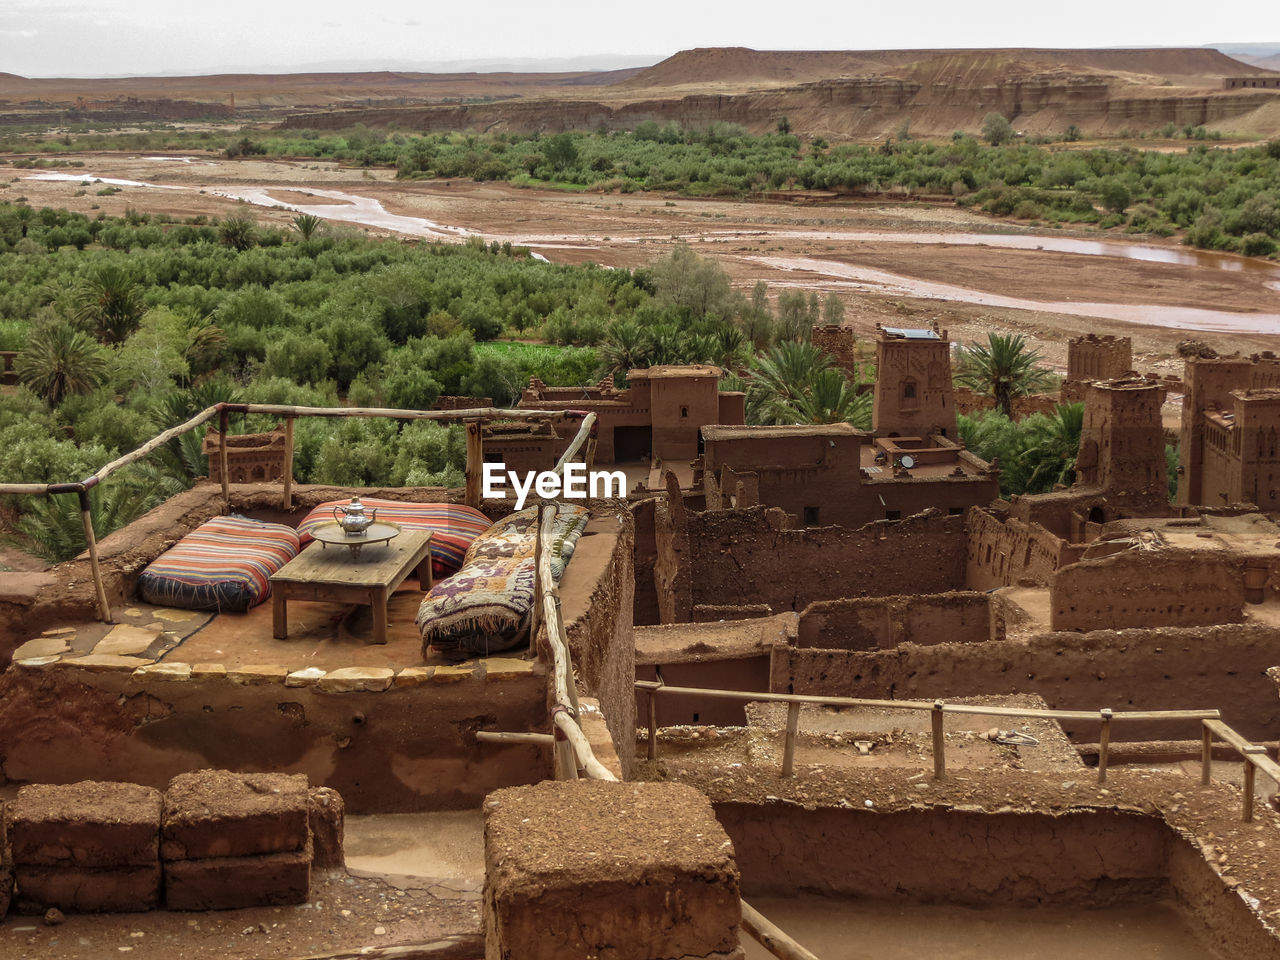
{"x": 597, "y": 614}
{"x": 1147, "y": 588}
{"x": 1004, "y": 550}
{"x": 644, "y": 561}
{"x": 970, "y": 859}
{"x": 671, "y": 569}
{"x": 865, "y": 623}
{"x": 1221, "y": 667}
{"x": 748, "y": 556}
{"x": 387, "y": 743}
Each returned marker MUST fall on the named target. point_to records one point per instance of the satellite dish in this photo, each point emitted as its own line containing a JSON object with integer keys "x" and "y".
{"x": 908, "y": 462}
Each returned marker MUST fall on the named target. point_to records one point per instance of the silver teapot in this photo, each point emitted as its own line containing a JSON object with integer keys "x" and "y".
{"x": 353, "y": 519}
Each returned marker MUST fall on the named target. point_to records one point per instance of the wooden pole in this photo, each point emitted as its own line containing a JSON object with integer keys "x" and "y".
{"x": 86, "y": 517}
{"x": 223, "y": 416}
{"x": 460, "y": 946}
{"x": 789, "y": 745}
{"x": 535, "y": 614}
{"x": 288, "y": 463}
{"x": 501, "y": 736}
{"x": 475, "y": 462}
{"x": 1250, "y": 773}
{"x": 939, "y": 743}
{"x": 1206, "y": 755}
{"x": 653, "y": 724}
{"x": 1104, "y": 745}
{"x": 772, "y": 937}
{"x": 1251, "y": 753}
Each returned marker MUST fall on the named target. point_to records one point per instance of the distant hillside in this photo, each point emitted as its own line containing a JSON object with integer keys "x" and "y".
{"x": 739, "y": 65}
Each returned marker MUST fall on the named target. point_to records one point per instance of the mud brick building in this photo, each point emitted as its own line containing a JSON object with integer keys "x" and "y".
{"x": 656, "y": 417}
{"x": 1092, "y": 357}
{"x": 913, "y": 396}
{"x": 251, "y": 457}
{"x": 1122, "y": 444}
{"x": 836, "y": 474}
{"x": 1230, "y": 424}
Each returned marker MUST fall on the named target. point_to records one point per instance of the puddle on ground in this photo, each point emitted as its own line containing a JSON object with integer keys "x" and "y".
{"x": 445, "y": 845}
{"x": 837, "y": 929}
{"x": 881, "y": 281}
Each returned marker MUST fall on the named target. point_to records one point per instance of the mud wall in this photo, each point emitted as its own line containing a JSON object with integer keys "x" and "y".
{"x": 867, "y": 623}
{"x": 645, "y": 556}
{"x": 746, "y": 556}
{"x": 1147, "y": 589}
{"x": 1093, "y": 858}
{"x": 1222, "y": 667}
{"x": 388, "y": 745}
{"x": 1003, "y": 551}
{"x": 597, "y": 614}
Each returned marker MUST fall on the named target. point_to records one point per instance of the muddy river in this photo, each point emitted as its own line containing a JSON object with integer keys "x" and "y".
{"x": 809, "y": 272}
{"x": 860, "y": 930}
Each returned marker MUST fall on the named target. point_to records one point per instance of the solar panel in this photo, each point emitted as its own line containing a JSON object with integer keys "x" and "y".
{"x": 911, "y": 333}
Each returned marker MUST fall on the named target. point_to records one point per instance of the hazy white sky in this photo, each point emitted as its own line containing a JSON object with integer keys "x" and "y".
{"x": 45, "y": 38}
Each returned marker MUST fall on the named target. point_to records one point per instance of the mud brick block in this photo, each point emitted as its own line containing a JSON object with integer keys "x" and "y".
{"x": 87, "y": 889}
{"x": 616, "y": 871}
{"x": 217, "y": 813}
{"x": 87, "y": 824}
{"x": 228, "y": 883}
{"x": 327, "y": 816}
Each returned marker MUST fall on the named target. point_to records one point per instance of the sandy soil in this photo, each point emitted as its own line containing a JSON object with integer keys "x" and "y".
{"x": 751, "y": 239}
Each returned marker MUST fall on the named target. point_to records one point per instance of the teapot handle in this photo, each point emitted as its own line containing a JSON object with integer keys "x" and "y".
{"x": 336, "y": 518}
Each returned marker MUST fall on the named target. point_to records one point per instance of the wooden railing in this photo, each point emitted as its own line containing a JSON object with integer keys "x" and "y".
{"x": 474, "y": 420}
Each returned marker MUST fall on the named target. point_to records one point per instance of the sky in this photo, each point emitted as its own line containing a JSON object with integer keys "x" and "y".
{"x": 97, "y": 38}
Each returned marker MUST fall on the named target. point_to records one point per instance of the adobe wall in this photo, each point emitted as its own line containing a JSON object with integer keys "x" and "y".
{"x": 1094, "y": 357}
{"x": 1006, "y": 552}
{"x": 1147, "y": 588}
{"x": 969, "y": 859}
{"x": 402, "y": 744}
{"x": 745, "y": 556}
{"x": 597, "y": 616}
{"x": 1222, "y": 667}
{"x": 837, "y": 342}
{"x": 644, "y": 561}
{"x": 867, "y": 623}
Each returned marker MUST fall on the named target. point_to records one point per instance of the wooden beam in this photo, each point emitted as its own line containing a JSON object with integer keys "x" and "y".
{"x": 222, "y": 457}
{"x": 501, "y": 736}
{"x": 287, "y": 475}
{"x": 1104, "y": 745}
{"x": 99, "y": 588}
{"x": 581, "y": 746}
{"x": 939, "y": 742}
{"x": 789, "y": 744}
{"x": 475, "y": 462}
{"x": 462, "y": 946}
{"x": 1206, "y": 755}
{"x": 772, "y": 937}
{"x": 653, "y": 725}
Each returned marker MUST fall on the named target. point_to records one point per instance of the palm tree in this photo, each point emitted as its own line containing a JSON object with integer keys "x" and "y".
{"x": 60, "y": 360}
{"x": 307, "y": 224}
{"x": 1053, "y": 442}
{"x": 110, "y": 302}
{"x": 627, "y": 347}
{"x": 795, "y": 382}
{"x": 1002, "y": 369}
{"x": 238, "y": 233}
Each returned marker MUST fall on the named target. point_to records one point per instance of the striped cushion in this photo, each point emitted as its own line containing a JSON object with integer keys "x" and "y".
{"x": 224, "y": 564}
{"x": 453, "y": 526}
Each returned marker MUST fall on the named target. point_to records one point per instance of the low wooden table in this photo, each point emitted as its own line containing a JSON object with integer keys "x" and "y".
{"x": 334, "y": 576}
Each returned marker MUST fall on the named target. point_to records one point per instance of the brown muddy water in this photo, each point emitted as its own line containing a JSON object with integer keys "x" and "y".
{"x": 836, "y": 929}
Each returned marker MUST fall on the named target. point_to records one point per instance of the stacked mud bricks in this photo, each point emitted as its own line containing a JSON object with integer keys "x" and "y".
{"x": 214, "y": 840}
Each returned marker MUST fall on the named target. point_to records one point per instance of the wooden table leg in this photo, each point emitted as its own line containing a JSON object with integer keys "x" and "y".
{"x": 379, "y": 598}
{"x": 279, "y": 614}
{"x": 426, "y": 579}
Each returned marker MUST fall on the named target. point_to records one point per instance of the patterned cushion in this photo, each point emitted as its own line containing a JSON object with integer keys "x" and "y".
{"x": 224, "y": 564}
{"x": 484, "y": 608}
{"x": 453, "y": 526}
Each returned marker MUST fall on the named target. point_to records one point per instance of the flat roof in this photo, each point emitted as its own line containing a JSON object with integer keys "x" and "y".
{"x": 739, "y": 432}
{"x": 911, "y": 333}
{"x": 674, "y": 371}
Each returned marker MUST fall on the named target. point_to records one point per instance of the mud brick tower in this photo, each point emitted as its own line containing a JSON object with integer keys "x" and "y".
{"x": 1092, "y": 357}
{"x": 1229, "y": 411}
{"x": 914, "y": 396}
{"x": 1122, "y": 444}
